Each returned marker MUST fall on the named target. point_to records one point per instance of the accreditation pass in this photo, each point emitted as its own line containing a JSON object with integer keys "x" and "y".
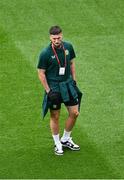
{"x": 61, "y": 70}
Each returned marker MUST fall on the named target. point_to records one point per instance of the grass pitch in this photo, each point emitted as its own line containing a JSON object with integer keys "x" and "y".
{"x": 96, "y": 30}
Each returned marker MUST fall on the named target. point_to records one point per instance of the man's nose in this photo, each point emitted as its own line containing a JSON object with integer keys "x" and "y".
{"x": 56, "y": 40}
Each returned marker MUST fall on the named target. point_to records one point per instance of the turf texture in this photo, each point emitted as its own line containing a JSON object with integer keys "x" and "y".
{"x": 96, "y": 30}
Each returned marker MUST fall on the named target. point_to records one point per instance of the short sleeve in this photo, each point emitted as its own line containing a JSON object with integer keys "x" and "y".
{"x": 42, "y": 62}
{"x": 72, "y": 53}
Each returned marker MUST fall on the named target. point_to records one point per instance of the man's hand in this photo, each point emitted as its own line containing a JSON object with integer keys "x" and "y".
{"x": 54, "y": 97}
{"x": 75, "y": 83}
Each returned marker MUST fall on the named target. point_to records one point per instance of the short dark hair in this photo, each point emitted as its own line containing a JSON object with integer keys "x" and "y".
{"x": 55, "y": 30}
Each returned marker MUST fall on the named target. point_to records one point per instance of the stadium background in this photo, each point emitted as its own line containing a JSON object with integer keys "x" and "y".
{"x": 96, "y": 30}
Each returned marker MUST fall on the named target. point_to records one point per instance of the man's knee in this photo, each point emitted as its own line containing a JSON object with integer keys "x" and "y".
{"x": 75, "y": 113}
{"x": 54, "y": 115}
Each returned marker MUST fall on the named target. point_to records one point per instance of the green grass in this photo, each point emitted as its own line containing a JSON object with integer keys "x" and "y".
{"x": 96, "y": 29}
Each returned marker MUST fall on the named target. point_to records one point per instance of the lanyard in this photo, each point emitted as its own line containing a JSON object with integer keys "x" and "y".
{"x": 57, "y": 55}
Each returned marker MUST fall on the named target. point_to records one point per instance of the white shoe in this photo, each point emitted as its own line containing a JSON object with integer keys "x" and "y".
{"x": 70, "y": 144}
{"x": 58, "y": 149}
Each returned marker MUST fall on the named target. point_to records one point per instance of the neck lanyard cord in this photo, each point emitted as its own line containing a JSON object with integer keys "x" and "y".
{"x": 57, "y": 55}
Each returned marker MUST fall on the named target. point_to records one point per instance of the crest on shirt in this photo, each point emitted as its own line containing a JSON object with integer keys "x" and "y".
{"x": 67, "y": 52}
{"x": 54, "y": 106}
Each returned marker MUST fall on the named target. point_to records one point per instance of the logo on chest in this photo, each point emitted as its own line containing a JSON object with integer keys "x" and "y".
{"x": 53, "y": 57}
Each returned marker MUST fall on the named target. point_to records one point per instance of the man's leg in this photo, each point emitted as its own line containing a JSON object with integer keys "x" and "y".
{"x": 73, "y": 114}
{"x": 66, "y": 140}
{"x": 54, "y": 121}
{"x": 54, "y": 125}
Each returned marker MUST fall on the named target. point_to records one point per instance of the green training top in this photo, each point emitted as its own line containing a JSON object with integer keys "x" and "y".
{"x": 48, "y": 61}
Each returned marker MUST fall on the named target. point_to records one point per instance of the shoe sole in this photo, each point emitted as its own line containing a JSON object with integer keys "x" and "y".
{"x": 58, "y": 154}
{"x": 71, "y": 148}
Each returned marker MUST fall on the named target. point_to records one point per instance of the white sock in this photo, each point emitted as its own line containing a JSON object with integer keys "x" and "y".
{"x": 56, "y": 139}
{"x": 66, "y": 135}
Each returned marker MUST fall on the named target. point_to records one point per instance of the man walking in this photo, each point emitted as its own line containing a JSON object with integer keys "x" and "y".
{"x": 56, "y": 71}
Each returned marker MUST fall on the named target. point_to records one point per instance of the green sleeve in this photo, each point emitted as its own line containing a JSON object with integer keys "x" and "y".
{"x": 42, "y": 63}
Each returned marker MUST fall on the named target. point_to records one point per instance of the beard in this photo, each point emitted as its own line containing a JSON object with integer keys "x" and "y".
{"x": 57, "y": 45}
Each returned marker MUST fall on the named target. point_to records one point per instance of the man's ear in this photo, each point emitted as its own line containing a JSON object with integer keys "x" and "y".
{"x": 50, "y": 38}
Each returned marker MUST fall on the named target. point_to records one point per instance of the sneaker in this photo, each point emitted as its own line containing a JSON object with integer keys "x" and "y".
{"x": 70, "y": 144}
{"x": 58, "y": 149}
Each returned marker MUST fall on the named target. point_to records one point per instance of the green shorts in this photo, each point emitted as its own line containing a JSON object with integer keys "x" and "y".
{"x": 57, "y": 106}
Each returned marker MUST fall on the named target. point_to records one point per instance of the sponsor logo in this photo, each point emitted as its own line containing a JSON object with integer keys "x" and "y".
{"x": 53, "y": 57}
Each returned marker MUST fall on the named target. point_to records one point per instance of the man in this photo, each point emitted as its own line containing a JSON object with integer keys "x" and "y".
{"x": 56, "y": 70}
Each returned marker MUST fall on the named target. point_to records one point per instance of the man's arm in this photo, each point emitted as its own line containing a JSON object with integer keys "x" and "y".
{"x": 72, "y": 65}
{"x": 42, "y": 77}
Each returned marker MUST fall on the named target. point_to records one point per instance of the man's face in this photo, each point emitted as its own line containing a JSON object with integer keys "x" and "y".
{"x": 56, "y": 39}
